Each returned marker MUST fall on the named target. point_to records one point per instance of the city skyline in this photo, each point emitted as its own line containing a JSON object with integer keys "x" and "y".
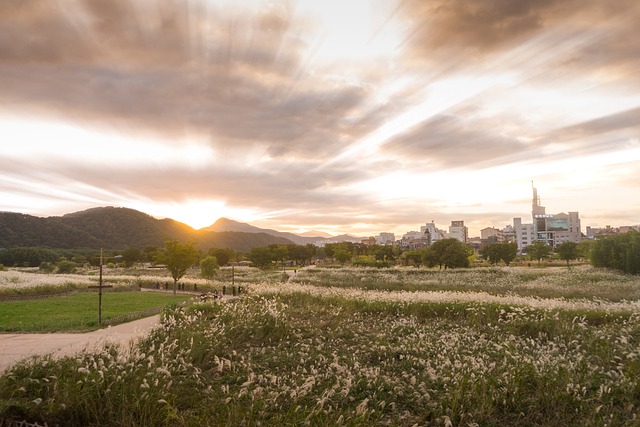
{"x": 354, "y": 117}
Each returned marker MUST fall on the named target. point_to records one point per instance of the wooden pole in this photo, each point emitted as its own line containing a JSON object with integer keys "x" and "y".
{"x": 100, "y": 292}
{"x": 100, "y": 287}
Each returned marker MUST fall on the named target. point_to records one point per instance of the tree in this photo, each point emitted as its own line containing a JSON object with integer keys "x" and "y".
{"x": 209, "y": 267}
{"x": 450, "y": 253}
{"x": 413, "y": 257}
{"x": 538, "y": 250}
{"x": 301, "y": 254}
{"x": 222, "y": 255}
{"x": 260, "y": 256}
{"x": 497, "y": 252}
{"x": 385, "y": 253}
{"x": 491, "y": 253}
{"x": 130, "y": 256}
{"x": 178, "y": 258}
{"x": 621, "y": 252}
{"x": 567, "y": 251}
{"x": 280, "y": 253}
{"x": 508, "y": 252}
{"x": 342, "y": 255}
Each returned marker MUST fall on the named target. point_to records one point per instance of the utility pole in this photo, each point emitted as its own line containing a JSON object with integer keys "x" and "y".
{"x": 100, "y": 287}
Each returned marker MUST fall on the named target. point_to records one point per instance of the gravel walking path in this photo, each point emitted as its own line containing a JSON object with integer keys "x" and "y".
{"x": 15, "y": 347}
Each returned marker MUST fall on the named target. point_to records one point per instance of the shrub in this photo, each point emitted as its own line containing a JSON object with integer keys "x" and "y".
{"x": 66, "y": 266}
{"x": 46, "y": 267}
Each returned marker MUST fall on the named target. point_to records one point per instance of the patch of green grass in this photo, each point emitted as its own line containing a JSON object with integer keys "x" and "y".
{"x": 77, "y": 312}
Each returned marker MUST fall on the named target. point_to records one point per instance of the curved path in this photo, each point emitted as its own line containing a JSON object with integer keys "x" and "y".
{"x": 15, "y": 347}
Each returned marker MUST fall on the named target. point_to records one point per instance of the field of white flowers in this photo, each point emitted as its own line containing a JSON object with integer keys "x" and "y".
{"x": 26, "y": 281}
{"x": 310, "y": 354}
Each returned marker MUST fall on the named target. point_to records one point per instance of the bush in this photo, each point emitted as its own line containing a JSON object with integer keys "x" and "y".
{"x": 46, "y": 267}
{"x": 66, "y": 266}
{"x": 2, "y": 267}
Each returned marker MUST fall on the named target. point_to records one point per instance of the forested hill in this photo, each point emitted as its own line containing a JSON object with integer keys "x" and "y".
{"x": 116, "y": 228}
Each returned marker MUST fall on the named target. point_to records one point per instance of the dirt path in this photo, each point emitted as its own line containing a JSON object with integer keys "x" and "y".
{"x": 15, "y": 347}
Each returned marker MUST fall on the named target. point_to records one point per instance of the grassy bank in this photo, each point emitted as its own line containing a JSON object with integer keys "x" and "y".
{"x": 77, "y": 312}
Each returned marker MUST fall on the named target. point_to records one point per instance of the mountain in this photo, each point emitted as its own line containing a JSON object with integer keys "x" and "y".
{"x": 314, "y": 233}
{"x": 18, "y": 229}
{"x": 345, "y": 238}
{"x": 118, "y": 228}
{"x": 225, "y": 224}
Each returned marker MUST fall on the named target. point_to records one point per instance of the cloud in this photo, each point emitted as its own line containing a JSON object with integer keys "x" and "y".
{"x": 238, "y": 77}
{"x": 452, "y": 141}
{"x": 282, "y": 127}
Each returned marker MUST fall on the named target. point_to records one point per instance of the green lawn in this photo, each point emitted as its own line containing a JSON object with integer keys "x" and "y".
{"x": 77, "y": 312}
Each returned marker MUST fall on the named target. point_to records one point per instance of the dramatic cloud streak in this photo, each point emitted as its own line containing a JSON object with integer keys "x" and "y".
{"x": 366, "y": 117}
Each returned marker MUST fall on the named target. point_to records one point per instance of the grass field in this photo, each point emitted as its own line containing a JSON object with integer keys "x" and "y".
{"x": 77, "y": 312}
{"x": 312, "y": 354}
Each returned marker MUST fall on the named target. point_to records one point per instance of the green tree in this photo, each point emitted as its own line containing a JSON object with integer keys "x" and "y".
{"x": 131, "y": 255}
{"x": 385, "y": 253}
{"x": 450, "y": 253}
{"x": 584, "y": 248}
{"x": 491, "y": 253}
{"x": 621, "y": 252}
{"x": 178, "y": 257}
{"x": 412, "y": 257}
{"x": 567, "y": 251}
{"x": 496, "y": 252}
{"x": 222, "y": 255}
{"x": 508, "y": 252}
{"x": 342, "y": 255}
{"x": 260, "y": 256}
{"x": 538, "y": 251}
{"x": 280, "y": 253}
{"x": 209, "y": 267}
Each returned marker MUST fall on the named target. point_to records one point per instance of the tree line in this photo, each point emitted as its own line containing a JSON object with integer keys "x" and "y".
{"x": 621, "y": 252}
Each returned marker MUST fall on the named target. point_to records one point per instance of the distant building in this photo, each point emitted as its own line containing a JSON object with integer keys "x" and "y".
{"x": 524, "y": 233}
{"x": 385, "y": 239}
{"x": 509, "y": 234}
{"x": 432, "y": 230}
{"x": 368, "y": 241}
{"x": 415, "y": 240}
{"x": 491, "y": 235}
{"x": 458, "y": 231}
{"x": 550, "y": 229}
{"x": 627, "y": 228}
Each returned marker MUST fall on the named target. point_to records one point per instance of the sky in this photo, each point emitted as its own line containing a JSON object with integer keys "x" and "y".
{"x": 342, "y": 116}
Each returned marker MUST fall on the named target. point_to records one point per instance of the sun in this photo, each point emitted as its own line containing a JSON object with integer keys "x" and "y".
{"x": 195, "y": 213}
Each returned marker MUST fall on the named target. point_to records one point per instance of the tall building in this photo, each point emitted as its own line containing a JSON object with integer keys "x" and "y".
{"x": 550, "y": 229}
{"x": 457, "y": 230}
{"x": 524, "y": 233}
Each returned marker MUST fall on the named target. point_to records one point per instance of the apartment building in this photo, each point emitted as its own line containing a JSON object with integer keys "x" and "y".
{"x": 457, "y": 230}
